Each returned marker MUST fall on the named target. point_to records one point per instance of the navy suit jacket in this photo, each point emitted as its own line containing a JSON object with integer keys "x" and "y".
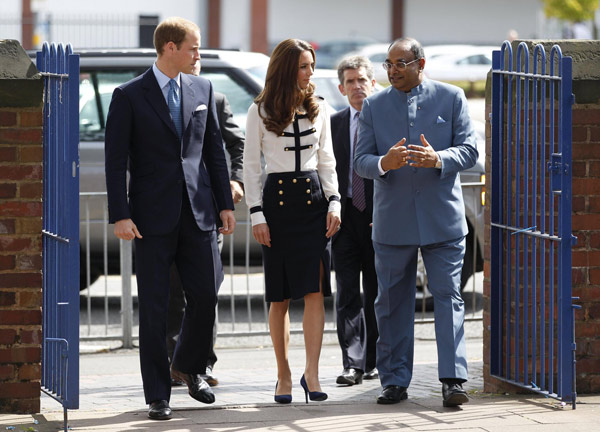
{"x": 340, "y": 135}
{"x": 141, "y": 137}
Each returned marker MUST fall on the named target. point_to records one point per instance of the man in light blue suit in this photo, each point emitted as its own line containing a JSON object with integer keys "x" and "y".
{"x": 414, "y": 138}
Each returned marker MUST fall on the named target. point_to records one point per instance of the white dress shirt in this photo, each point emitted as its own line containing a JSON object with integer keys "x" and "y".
{"x": 319, "y": 157}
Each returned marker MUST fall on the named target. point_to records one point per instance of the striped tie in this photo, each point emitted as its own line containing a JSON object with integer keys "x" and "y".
{"x": 175, "y": 105}
{"x": 358, "y": 184}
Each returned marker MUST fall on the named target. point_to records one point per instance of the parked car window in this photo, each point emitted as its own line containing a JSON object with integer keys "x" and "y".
{"x": 475, "y": 60}
{"x": 95, "y": 93}
{"x": 239, "y": 96}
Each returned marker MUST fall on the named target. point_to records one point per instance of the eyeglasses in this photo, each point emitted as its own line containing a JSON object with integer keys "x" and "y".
{"x": 400, "y": 65}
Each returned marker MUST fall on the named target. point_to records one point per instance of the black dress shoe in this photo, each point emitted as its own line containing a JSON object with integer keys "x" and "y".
{"x": 350, "y": 377}
{"x": 372, "y": 374}
{"x": 453, "y": 394}
{"x": 209, "y": 377}
{"x": 392, "y": 394}
{"x": 159, "y": 410}
{"x": 197, "y": 387}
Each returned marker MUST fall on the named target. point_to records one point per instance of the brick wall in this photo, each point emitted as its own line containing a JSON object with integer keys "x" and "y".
{"x": 586, "y": 254}
{"x": 20, "y": 236}
{"x": 585, "y": 217}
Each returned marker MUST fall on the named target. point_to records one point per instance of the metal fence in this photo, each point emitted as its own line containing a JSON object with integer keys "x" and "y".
{"x": 84, "y": 30}
{"x": 108, "y": 303}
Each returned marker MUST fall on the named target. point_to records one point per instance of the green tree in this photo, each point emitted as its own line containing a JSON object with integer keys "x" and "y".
{"x": 572, "y": 11}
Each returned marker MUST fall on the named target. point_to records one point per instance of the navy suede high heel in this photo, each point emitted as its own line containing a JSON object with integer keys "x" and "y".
{"x": 282, "y": 399}
{"x": 313, "y": 396}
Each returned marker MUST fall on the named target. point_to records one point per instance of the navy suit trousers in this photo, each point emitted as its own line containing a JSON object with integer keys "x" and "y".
{"x": 196, "y": 255}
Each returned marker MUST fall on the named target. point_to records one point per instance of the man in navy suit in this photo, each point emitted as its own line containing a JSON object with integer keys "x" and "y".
{"x": 352, "y": 246}
{"x": 163, "y": 127}
{"x": 414, "y": 139}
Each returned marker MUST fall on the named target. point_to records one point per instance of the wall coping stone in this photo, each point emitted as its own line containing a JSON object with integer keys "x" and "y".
{"x": 21, "y": 83}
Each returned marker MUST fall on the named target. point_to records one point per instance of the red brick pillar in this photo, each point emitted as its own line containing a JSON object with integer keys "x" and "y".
{"x": 20, "y": 230}
{"x": 585, "y": 215}
{"x": 586, "y": 254}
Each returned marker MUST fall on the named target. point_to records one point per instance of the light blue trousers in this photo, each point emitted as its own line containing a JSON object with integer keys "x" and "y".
{"x": 395, "y": 309}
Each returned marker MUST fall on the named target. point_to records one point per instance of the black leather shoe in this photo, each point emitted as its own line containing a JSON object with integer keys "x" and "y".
{"x": 453, "y": 394}
{"x": 197, "y": 387}
{"x": 159, "y": 410}
{"x": 372, "y": 374}
{"x": 392, "y": 394}
{"x": 350, "y": 377}
{"x": 209, "y": 377}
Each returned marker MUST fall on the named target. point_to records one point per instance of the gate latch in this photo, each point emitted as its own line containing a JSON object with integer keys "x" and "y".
{"x": 555, "y": 167}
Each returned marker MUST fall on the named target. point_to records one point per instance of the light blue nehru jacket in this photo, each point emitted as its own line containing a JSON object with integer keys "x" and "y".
{"x": 417, "y": 206}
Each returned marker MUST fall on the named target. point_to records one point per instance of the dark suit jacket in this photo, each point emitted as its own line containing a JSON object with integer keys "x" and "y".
{"x": 232, "y": 136}
{"x": 140, "y": 133}
{"x": 340, "y": 135}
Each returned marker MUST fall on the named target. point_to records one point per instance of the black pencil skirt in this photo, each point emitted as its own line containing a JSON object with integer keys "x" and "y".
{"x": 296, "y": 213}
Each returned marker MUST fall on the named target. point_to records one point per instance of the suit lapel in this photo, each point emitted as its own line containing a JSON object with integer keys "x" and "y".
{"x": 187, "y": 100}
{"x": 155, "y": 98}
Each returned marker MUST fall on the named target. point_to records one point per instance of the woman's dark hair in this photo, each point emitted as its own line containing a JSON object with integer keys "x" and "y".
{"x": 282, "y": 95}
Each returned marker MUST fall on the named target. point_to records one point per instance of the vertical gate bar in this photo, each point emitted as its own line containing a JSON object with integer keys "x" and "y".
{"x": 519, "y": 222}
{"x": 72, "y": 362}
{"x": 518, "y": 218}
{"x": 41, "y": 58}
{"x": 558, "y": 228}
{"x": 538, "y": 55}
{"x": 508, "y": 162}
{"x": 496, "y": 217}
{"x": 551, "y": 150}
{"x": 567, "y": 387}
{"x": 61, "y": 196}
{"x": 526, "y": 220}
{"x": 543, "y": 119}
{"x": 53, "y": 211}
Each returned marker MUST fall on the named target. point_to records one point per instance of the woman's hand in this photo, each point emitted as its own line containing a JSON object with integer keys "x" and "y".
{"x": 262, "y": 234}
{"x": 333, "y": 223}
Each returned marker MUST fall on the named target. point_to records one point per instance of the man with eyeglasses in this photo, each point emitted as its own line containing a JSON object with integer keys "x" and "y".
{"x": 414, "y": 138}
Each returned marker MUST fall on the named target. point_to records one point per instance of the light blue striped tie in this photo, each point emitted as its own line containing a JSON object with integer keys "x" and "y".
{"x": 175, "y": 105}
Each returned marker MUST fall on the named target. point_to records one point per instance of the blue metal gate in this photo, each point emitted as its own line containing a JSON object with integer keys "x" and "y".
{"x": 60, "y": 349}
{"x": 532, "y": 311}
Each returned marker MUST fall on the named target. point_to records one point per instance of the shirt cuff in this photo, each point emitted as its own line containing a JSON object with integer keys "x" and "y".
{"x": 335, "y": 206}
{"x": 439, "y": 162}
{"x": 381, "y": 171}
{"x": 257, "y": 218}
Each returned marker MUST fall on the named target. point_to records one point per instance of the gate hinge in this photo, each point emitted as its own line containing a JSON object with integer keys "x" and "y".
{"x": 573, "y": 240}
